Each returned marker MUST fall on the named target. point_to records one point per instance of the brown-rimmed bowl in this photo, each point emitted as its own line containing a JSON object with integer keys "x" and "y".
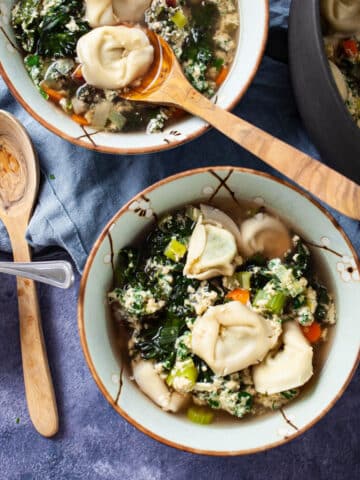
{"x": 254, "y": 16}
{"x": 335, "y": 258}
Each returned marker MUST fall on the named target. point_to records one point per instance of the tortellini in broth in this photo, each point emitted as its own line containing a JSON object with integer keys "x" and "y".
{"x": 231, "y": 331}
{"x": 114, "y": 57}
{"x": 343, "y": 16}
{"x": 155, "y": 388}
{"x": 112, "y": 12}
{"x": 265, "y": 234}
{"x": 211, "y": 252}
{"x": 231, "y": 337}
{"x": 288, "y": 368}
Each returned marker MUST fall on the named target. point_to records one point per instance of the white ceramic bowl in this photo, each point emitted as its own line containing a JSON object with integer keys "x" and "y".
{"x": 254, "y": 16}
{"x": 333, "y": 253}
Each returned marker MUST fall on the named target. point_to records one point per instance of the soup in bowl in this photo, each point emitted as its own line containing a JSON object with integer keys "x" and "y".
{"x": 74, "y": 55}
{"x": 217, "y": 318}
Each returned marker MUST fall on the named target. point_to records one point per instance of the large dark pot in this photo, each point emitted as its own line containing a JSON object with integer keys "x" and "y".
{"x": 325, "y": 116}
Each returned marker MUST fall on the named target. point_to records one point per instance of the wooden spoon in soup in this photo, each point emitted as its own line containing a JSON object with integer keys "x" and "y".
{"x": 165, "y": 84}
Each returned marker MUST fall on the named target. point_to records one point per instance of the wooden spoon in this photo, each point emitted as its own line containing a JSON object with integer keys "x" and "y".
{"x": 166, "y": 84}
{"x": 19, "y": 181}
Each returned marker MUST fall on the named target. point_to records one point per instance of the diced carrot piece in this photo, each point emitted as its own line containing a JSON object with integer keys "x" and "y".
{"x": 79, "y": 119}
{"x": 240, "y": 295}
{"x": 54, "y": 95}
{"x": 312, "y": 332}
{"x": 222, "y": 76}
{"x": 350, "y": 47}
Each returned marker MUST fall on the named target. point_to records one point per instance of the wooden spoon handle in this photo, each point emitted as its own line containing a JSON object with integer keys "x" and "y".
{"x": 37, "y": 378}
{"x": 328, "y": 185}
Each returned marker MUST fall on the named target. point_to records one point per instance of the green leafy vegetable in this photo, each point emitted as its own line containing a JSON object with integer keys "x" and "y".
{"x": 199, "y": 45}
{"x": 245, "y": 403}
{"x": 158, "y": 342}
{"x": 323, "y": 300}
{"x": 289, "y": 394}
{"x": 127, "y": 264}
{"x": 206, "y": 375}
{"x": 32, "y": 61}
{"x": 218, "y": 63}
{"x": 49, "y": 28}
{"x": 176, "y": 304}
{"x": 55, "y": 38}
{"x": 287, "y": 280}
{"x": 25, "y": 19}
{"x": 299, "y": 259}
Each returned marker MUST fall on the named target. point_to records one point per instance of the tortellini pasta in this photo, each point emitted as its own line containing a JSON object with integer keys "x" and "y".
{"x": 155, "y": 388}
{"x": 212, "y": 252}
{"x": 217, "y": 217}
{"x": 265, "y": 234}
{"x": 289, "y": 368}
{"x": 231, "y": 337}
{"x": 111, "y": 12}
{"x": 114, "y": 57}
{"x": 343, "y": 16}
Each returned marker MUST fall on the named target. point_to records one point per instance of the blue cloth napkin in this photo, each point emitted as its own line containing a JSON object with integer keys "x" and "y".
{"x": 81, "y": 190}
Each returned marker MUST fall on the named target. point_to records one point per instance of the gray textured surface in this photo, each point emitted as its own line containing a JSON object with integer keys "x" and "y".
{"x": 94, "y": 442}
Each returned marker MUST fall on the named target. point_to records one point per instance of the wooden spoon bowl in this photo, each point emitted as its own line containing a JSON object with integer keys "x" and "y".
{"x": 166, "y": 84}
{"x": 19, "y": 181}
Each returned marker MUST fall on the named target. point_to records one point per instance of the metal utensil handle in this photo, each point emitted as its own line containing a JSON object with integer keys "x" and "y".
{"x": 57, "y": 273}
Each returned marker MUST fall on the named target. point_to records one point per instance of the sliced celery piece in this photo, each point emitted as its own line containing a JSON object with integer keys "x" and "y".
{"x": 273, "y": 302}
{"x": 244, "y": 279}
{"x": 187, "y": 370}
{"x": 261, "y": 298}
{"x": 179, "y": 19}
{"x": 276, "y": 303}
{"x": 200, "y": 415}
{"x": 238, "y": 280}
{"x": 175, "y": 250}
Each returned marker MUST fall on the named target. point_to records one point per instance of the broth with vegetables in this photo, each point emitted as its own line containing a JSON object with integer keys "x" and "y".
{"x": 342, "y": 45}
{"x": 203, "y": 35}
{"x": 224, "y": 313}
